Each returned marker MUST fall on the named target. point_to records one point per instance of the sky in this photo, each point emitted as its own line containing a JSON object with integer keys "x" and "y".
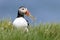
{"x": 43, "y": 10}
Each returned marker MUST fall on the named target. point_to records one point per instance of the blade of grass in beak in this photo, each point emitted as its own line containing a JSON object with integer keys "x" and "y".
{"x": 32, "y": 17}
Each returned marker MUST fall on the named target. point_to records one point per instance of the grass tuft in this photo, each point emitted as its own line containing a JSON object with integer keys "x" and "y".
{"x": 39, "y": 32}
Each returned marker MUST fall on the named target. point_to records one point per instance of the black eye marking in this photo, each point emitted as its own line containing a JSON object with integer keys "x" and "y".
{"x": 23, "y": 9}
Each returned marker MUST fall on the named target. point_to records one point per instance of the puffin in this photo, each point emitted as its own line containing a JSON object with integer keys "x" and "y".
{"x": 20, "y": 22}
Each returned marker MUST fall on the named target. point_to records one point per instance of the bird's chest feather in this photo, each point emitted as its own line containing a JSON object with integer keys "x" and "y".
{"x": 20, "y": 22}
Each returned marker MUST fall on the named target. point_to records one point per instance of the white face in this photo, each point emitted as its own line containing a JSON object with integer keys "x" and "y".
{"x": 23, "y": 9}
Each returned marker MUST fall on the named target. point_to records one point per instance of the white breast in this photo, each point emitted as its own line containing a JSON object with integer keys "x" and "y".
{"x": 20, "y": 22}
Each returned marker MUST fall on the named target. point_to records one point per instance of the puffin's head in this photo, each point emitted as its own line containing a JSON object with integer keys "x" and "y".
{"x": 24, "y": 11}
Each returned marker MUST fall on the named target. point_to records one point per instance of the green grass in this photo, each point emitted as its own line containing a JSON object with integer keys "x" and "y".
{"x": 39, "y": 32}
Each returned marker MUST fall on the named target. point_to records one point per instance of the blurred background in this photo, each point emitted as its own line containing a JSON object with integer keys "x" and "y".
{"x": 43, "y": 10}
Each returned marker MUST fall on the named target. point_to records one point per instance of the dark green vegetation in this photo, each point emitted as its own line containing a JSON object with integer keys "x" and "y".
{"x": 39, "y": 32}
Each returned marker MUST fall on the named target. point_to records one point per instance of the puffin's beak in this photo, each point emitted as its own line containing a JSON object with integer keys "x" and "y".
{"x": 28, "y": 14}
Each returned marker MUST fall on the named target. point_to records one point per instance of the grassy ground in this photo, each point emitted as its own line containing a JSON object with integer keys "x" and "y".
{"x": 39, "y": 32}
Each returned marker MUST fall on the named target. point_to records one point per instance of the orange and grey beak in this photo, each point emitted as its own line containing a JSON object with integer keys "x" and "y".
{"x": 28, "y": 14}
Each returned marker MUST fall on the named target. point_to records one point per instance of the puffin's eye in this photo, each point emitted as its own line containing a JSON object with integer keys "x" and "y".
{"x": 22, "y": 8}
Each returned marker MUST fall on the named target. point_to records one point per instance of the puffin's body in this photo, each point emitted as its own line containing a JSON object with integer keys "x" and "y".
{"x": 20, "y": 21}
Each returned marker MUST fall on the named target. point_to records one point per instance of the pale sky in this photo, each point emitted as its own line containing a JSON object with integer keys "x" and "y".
{"x": 43, "y": 10}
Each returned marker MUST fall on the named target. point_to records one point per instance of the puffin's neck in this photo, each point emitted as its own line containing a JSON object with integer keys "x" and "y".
{"x": 20, "y": 14}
